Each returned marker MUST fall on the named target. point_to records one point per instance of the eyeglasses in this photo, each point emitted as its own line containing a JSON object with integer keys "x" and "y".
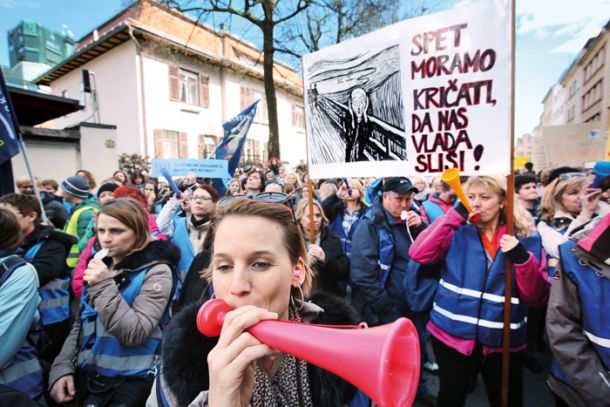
{"x": 200, "y": 198}
{"x": 569, "y": 175}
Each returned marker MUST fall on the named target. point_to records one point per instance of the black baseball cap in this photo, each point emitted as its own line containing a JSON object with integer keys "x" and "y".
{"x": 400, "y": 185}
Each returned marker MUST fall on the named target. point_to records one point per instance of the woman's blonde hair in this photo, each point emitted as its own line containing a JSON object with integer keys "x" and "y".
{"x": 298, "y": 184}
{"x": 277, "y": 213}
{"x": 326, "y": 189}
{"x": 523, "y": 222}
{"x": 302, "y": 208}
{"x": 228, "y": 193}
{"x": 436, "y": 183}
{"x": 26, "y": 180}
{"x": 130, "y": 213}
{"x": 356, "y": 184}
{"x": 551, "y": 196}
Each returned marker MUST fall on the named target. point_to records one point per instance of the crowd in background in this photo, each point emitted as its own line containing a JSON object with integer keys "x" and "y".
{"x": 83, "y": 317}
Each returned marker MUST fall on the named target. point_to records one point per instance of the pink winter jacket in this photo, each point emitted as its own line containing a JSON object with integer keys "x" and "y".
{"x": 81, "y": 266}
{"x": 432, "y": 245}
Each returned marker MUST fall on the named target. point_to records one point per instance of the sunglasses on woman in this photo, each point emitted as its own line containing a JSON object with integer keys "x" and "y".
{"x": 569, "y": 175}
{"x": 269, "y": 197}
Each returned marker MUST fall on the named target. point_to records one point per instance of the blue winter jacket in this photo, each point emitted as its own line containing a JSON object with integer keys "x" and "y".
{"x": 379, "y": 262}
{"x": 19, "y": 328}
{"x": 578, "y": 325}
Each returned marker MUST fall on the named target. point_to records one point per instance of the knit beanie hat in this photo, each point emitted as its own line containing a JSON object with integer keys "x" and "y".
{"x": 76, "y": 186}
{"x": 110, "y": 186}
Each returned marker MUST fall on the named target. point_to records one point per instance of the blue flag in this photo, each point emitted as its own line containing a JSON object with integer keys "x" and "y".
{"x": 230, "y": 149}
{"x": 9, "y": 145}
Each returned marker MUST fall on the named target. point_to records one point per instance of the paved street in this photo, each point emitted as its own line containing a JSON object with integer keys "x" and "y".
{"x": 535, "y": 390}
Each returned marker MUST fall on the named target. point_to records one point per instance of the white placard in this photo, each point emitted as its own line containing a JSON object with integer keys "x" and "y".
{"x": 417, "y": 97}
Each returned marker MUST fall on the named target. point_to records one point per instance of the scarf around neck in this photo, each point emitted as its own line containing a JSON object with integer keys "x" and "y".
{"x": 288, "y": 387}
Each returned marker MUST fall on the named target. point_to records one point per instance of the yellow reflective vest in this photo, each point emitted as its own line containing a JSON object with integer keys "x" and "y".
{"x": 72, "y": 228}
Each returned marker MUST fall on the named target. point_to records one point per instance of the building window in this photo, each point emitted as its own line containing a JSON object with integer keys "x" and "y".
{"x": 31, "y": 56}
{"x": 261, "y": 110}
{"x": 298, "y": 117}
{"x": 188, "y": 87}
{"x": 31, "y": 42}
{"x": 593, "y": 95}
{"x": 170, "y": 144}
{"x": 206, "y": 146}
{"x": 248, "y": 96}
{"x": 595, "y": 63}
{"x": 594, "y": 118}
{"x": 573, "y": 88}
{"x": 251, "y": 152}
{"x": 571, "y": 113}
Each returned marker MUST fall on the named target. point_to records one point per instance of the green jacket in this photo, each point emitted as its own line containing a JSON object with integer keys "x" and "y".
{"x": 89, "y": 207}
{"x": 80, "y": 218}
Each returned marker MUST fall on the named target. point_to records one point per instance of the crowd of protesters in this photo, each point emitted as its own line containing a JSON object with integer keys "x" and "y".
{"x": 99, "y": 292}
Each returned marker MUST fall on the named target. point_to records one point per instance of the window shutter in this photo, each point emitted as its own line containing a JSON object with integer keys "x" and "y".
{"x": 243, "y": 95}
{"x": 157, "y": 134}
{"x": 256, "y": 150}
{"x": 201, "y": 149}
{"x": 183, "y": 147}
{"x": 174, "y": 83}
{"x": 204, "y": 91}
{"x": 246, "y": 97}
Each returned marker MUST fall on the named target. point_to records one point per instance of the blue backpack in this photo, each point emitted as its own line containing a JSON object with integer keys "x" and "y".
{"x": 420, "y": 283}
{"x": 10, "y": 264}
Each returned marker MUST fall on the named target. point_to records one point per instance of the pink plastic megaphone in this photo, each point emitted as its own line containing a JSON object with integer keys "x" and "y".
{"x": 383, "y": 361}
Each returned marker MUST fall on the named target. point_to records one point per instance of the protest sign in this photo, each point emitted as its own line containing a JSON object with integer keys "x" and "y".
{"x": 201, "y": 168}
{"x": 417, "y": 97}
{"x": 520, "y": 161}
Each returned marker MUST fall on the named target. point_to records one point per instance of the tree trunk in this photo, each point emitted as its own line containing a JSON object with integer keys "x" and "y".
{"x": 274, "y": 128}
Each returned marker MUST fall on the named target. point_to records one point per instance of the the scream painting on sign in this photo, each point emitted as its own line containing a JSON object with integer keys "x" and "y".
{"x": 356, "y": 107}
{"x": 417, "y": 97}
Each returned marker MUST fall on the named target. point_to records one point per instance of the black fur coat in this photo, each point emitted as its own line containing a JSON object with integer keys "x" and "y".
{"x": 185, "y": 351}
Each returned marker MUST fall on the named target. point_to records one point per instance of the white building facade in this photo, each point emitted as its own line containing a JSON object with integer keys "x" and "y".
{"x": 168, "y": 85}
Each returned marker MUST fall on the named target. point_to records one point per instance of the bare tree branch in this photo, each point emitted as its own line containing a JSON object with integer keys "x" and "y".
{"x": 287, "y": 51}
{"x": 302, "y": 5}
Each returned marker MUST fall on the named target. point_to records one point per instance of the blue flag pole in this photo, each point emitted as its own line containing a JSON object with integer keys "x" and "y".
{"x": 9, "y": 146}
{"x": 232, "y": 145}
{"x": 12, "y": 140}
